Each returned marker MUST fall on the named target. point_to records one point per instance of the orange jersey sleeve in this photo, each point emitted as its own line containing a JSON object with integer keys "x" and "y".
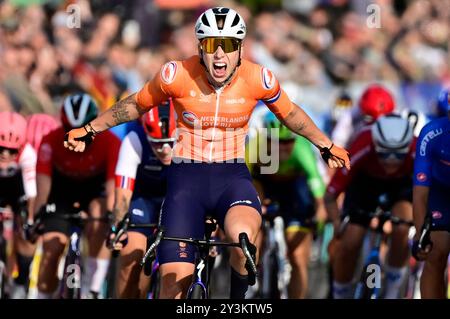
{"x": 268, "y": 90}
{"x": 167, "y": 83}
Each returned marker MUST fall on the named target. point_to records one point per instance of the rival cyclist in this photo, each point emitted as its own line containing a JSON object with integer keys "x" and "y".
{"x": 18, "y": 190}
{"x": 66, "y": 180}
{"x": 431, "y": 197}
{"x": 382, "y": 156}
{"x": 144, "y": 156}
{"x": 375, "y": 101}
{"x": 298, "y": 188}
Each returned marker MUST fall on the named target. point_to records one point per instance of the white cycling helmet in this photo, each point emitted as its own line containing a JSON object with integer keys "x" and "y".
{"x": 207, "y": 24}
{"x": 392, "y": 133}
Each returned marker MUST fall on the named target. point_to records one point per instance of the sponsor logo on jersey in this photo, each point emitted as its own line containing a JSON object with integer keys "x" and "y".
{"x": 205, "y": 98}
{"x": 137, "y": 212}
{"x": 427, "y": 138}
{"x": 268, "y": 79}
{"x": 235, "y": 101}
{"x": 421, "y": 177}
{"x": 168, "y": 72}
{"x": 436, "y": 214}
{"x": 189, "y": 117}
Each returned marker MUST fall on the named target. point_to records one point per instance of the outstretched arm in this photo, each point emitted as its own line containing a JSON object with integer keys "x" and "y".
{"x": 124, "y": 110}
{"x": 299, "y": 122}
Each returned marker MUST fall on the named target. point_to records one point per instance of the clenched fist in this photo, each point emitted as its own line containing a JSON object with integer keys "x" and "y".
{"x": 77, "y": 139}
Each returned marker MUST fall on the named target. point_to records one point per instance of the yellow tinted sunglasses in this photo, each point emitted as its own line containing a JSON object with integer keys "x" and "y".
{"x": 210, "y": 45}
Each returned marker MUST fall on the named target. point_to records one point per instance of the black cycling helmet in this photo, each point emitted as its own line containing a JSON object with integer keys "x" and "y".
{"x": 78, "y": 110}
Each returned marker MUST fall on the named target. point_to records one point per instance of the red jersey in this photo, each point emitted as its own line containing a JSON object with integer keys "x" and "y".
{"x": 365, "y": 162}
{"x": 100, "y": 157}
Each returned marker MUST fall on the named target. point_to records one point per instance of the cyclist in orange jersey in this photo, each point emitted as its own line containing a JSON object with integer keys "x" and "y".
{"x": 214, "y": 94}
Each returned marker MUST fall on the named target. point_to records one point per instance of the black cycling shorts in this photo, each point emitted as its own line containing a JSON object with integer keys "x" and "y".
{"x": 361, "y": 197}
{"x": 295, "y": 199}
{"x": 67, "y": 191}
{"x": 196, "y": 190}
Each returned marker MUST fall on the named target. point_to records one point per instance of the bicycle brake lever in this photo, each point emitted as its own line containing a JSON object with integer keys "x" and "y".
{"x": 249, "y": 251}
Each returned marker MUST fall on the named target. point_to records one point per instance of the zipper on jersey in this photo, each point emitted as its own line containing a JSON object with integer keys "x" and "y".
{"x": 213, "y": 135}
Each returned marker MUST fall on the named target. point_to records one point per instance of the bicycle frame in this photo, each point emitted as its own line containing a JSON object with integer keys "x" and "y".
{"x": 372, "y": 259}
{"x": 73, "y": 255}
{"x": 274, "y": 283}
{"x": 363, "y": 290}
{"x": 201, "y": 276}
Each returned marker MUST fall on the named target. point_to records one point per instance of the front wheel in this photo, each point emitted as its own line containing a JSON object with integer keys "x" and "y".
{"x": 365, "y": 288}
{"x": 197, "y": 291}
{"x": 71, "y": 281}
{"x": 154, "y": 285}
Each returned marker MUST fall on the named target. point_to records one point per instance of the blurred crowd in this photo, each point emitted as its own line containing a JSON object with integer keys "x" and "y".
{"x": 317, "y": 48}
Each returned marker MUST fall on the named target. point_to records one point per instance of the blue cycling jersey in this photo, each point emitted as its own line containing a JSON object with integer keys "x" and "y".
{"x": 433, "y": 154}
{"x": 151, "y": 173}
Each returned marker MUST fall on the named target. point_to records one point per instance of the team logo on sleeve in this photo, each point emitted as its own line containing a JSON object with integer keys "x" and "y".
{"x": 168, "y": 72}
{"x": 421, "y": 177}
{"x": 436, "y": 214}
{"x": 268, "y": 79}
{"x": 189, "y": 117}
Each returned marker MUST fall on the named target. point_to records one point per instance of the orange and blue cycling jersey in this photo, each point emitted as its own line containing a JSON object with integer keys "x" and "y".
{"x": 212, "y": 123}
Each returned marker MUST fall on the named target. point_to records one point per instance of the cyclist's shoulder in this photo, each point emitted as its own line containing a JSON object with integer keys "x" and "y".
{"x": 174, "y": 69}
{"x": 106, "y": 140}
{"x": 27, "y": 151}
{"x": 259, "y": 81}
{"x": 255, "y": 73}
{"x": 53, "y": 137}
{"x": 362, "y": 139}
{"x": 136, "y": 138}
{"x": 439, "y": 125}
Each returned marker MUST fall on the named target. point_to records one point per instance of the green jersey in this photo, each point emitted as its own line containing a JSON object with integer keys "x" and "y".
{"x": 302, "y": 162}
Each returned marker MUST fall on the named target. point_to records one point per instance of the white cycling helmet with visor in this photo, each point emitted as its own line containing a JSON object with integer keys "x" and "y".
{"x": 392, "y": 136}
{"x": 220, "y": 22}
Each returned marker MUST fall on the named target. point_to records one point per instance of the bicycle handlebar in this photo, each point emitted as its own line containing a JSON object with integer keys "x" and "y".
{"x": 151, "y": 250}
{"x": 118, "y": 233}
{"x": 248, "y": 249}
{"x": 425, "y": 238}
{"x": 378, "y": 213}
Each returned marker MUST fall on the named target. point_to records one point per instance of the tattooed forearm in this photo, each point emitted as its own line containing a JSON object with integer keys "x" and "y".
{"x": 299, "y": 122}
{"x": 120, "y": 112}
{"x": 292, "y": 121}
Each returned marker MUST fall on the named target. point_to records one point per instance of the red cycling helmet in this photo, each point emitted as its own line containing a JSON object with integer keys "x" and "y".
{"x": 40, "y": 125}
{"x": 159, "y": 123}
{"x": 13, "y": 127}
{"x": 376, "y": 101}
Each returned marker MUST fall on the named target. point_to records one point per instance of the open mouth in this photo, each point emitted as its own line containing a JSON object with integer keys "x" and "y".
{"x": 220, "y": 69}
